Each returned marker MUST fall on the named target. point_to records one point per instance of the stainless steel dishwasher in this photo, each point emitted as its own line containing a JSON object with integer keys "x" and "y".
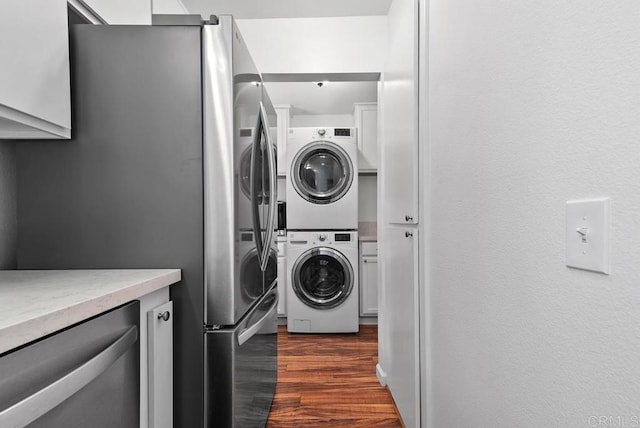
{"x": 84, "y": 376}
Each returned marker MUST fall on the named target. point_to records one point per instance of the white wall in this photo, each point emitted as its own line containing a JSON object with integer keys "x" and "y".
{"x": 169, "y": 7}
{"x": 368, "y": 198}
{"x": 301, "y": 120}
{"x": 316, "y": 45}
{"x": 532, "y": 104}
{"x": 8, "y": 220}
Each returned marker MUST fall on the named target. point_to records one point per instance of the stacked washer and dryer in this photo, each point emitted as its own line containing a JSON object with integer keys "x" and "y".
{"x": 322, "y": 223}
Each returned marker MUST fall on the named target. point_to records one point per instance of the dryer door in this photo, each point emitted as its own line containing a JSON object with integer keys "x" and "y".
{"x": 322, "y": 278}
{"x": 322, "y": 172}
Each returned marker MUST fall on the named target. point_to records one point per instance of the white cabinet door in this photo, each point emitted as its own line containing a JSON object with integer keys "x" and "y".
{"x": 368, "y": 286}
{"x": 160, "y": 365}
{"x": 399, "y": 117}
{"x": 366, "y": 119}
{"x": 282, "y": 277}
{"x": 283, "y": 112}
{"x": 399, "y": 315}
{"x": 35, "y": 97}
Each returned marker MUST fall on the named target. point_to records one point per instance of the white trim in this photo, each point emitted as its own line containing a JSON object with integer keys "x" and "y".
{"x": 381, "y": 375}
{"x": 184, "y": 8}
{"x": 84, "y": 10}
{"x": 29, "y": 126}
{"x": 424, "y": 191}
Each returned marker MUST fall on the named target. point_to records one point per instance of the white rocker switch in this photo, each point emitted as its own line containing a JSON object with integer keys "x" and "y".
{"x": 588, "y": 234}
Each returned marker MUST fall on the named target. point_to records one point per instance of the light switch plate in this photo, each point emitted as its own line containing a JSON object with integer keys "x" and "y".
{"x": 588, "y": 235}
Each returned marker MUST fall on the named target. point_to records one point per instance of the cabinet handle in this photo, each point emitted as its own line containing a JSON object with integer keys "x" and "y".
{"x": 408, "y": 234}
{"x": 164, "y": 315}
{"x": 408, "y": 218}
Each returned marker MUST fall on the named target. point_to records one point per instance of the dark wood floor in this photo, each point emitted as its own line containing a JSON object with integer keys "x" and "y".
{"x": 329, "y": 380}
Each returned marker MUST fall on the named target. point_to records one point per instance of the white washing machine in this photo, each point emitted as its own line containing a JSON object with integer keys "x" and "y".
{"x": 322, "y": 296}
{"x": 322, "y": 181}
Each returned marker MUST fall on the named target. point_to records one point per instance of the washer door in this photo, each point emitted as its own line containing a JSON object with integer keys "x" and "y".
{"x": 322, "y": 278}
{"x": 322, "y": 172}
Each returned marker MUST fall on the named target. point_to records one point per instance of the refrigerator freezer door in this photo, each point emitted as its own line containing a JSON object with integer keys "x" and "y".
{"x": 231, "y": 103}
{"x": 242, "y": 368}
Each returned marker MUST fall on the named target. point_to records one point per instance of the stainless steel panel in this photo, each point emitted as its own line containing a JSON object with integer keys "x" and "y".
{"x": 87, "y": 375}
{"x": 231, "y": 99}
{"x": 127, "y": 190}
{"x": 242, "y": 376}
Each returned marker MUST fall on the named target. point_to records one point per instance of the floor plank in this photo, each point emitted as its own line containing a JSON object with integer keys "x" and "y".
{"x": 329, "y": 380}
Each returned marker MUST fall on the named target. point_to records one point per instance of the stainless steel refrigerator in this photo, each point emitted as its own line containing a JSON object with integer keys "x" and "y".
{"x": 171, "y": 164}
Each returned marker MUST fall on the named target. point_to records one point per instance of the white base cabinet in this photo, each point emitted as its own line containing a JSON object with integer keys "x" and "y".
{"x": 160, "y": 361}
{"x": 156, "y": 360}
{"x": 399, "y": 341}
{"x": 368, "y": 278}
{"x": 282, "y": 276}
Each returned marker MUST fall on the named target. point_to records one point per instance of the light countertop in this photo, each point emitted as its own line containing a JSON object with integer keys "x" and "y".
{"x": 35, "y": 303}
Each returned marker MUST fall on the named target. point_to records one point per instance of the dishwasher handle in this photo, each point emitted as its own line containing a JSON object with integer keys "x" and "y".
{"x": 49, "y": 397}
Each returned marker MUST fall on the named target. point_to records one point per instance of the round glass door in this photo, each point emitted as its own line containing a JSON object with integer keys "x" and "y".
{"x": 322, "y": 278}
{"x": 322, "y": 172}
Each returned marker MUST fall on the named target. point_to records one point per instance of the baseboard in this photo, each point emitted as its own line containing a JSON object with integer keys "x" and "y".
{"x": 363, "y": 320}
{"x": 368, "y": 320}
{"x": 381, "y": 375}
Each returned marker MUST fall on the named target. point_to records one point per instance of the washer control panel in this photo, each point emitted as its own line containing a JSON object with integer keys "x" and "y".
{"x": 334, "y": 132}
{"x": 323, "y": 238}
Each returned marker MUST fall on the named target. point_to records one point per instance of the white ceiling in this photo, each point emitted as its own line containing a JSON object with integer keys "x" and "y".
{"x": 260, "y": 9}
{"x": 306, "y": 98}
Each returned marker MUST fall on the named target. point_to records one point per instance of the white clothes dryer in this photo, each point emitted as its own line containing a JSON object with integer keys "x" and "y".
{"x": 322, "y": 181}
{"x": 322, "y": 294}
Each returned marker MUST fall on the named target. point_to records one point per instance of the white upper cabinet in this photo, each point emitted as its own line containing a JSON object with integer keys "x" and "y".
{"x": 284, "y": 116}
{"x": 366, "y": 120}
{"x": 35, "y": 99}
{"x": 399, "y": 117}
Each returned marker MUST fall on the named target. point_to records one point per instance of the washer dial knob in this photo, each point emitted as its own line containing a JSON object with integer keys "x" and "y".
{"x": 322, "y": 237}
{"x": 321, "y": 132}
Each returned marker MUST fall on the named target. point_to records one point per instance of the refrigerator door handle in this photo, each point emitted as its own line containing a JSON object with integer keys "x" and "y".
{"x": 46, "y": 399}
{"x": 247, "y": 333}
{"x": 256, "y": 196}
{"x": 273, "y": 203}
